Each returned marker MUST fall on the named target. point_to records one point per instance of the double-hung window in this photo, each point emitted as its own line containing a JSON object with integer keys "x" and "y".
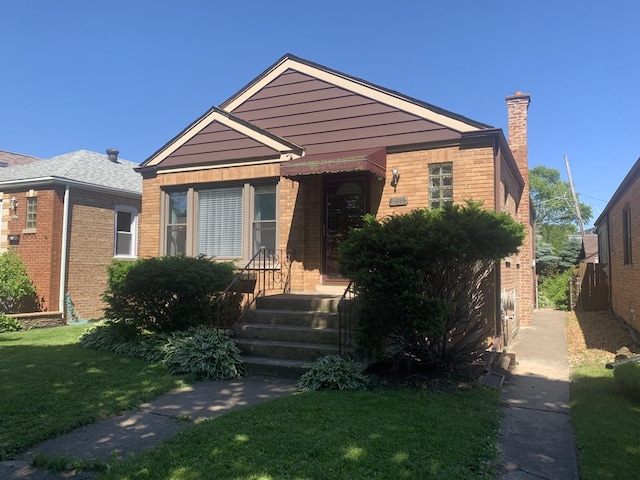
{"x": 440, "y": 184}
{"x": 126, "y": 221}
{"x": 176, "y": 223}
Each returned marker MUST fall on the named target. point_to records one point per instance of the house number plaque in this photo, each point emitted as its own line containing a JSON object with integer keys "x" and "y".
{"x": 398, "y": 201}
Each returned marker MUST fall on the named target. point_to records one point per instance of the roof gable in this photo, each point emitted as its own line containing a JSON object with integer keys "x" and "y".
{"x": 300, "y": 108}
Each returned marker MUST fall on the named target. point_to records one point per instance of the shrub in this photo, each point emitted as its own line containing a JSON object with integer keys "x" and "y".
{"x": 420, "y": 278}
{"x": 9, "y": 324}
{"x": 553, "y": 292}
{"x": 627, "y": 377}
{"x": 208, "y": 352}
{"x": 334, "y": 373}
{"x": 165, "y": 294}
{"x": 15, "y": 284}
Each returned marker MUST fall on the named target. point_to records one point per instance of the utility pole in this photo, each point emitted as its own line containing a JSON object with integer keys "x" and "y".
{"x": 575, "y": 198}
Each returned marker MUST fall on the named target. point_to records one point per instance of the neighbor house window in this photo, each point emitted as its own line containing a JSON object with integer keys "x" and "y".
{"x": 176, "y": 223}
{"x": 626, "y": 232}
{"x": 125, "y": 232}
{"x": 440, "y": 184}
{"x": 231, "y": 222}
{"x": 32, "y": 208}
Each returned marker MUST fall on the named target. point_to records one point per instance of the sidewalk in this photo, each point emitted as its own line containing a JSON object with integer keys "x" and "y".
{"x": 536, "y": 439}
{"x": 154, "y": 422}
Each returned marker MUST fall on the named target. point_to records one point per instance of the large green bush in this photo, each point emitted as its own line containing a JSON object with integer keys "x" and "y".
{"x": 420, "y": 278}
{"x": 9, "y": 324}
{"x": 165, "y": 294}
{"x": 15, "y": 285}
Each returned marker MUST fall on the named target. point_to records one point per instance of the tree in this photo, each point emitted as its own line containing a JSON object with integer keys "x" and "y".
{"x": 420, "y": 278}
{"x": 556, "y": 216}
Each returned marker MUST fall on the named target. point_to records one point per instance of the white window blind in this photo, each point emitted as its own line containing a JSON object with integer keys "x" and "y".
{"x": 220, "y": 222}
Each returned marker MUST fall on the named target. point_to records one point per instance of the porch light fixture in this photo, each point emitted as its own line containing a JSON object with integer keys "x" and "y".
{"x": 14, "y": 204}
{"x": 395, "y": 178}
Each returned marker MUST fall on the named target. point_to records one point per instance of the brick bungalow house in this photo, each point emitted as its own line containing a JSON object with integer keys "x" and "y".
{"x": 295, "y": 158}
{"x": 67, "y": 218}
{"x": 618, "y": 229}
{"x": 10, "y": 159}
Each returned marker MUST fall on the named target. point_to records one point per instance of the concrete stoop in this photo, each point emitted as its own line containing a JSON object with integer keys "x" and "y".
{"x": 285, "y": 334}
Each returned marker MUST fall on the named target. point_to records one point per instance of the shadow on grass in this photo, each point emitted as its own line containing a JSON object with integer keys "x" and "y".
{"x": 49, "y": 390}
{"x": 606, "y": 424}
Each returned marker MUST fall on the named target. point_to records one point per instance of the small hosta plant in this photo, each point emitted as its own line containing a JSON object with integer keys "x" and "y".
{"x": 9, "y": 324}
{"x": 334, "y": 373}
{"x": 210, "y": 353}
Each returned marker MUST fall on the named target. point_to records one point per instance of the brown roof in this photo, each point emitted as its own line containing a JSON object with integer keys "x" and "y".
{"x": 10, "y": 159}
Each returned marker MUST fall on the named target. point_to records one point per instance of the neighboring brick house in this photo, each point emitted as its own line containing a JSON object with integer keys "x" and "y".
{"x": 67, "y": 218}
{"x": 10, "y": 159}
{"x": 299, "y": 154}
{"x": 618, "y": 229}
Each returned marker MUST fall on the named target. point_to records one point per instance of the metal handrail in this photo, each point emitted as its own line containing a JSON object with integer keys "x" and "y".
{"x": 269, "y": 270}
{"x": 348, "y": 313}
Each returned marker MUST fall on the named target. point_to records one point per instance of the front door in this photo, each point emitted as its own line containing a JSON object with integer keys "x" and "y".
{"x": 345, "y": 205}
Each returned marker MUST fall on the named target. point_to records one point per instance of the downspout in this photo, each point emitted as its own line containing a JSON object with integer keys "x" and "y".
{"x": 63, "y": 253}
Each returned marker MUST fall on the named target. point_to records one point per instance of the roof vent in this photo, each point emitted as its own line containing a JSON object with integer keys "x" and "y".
{"x": 113, "y": 154}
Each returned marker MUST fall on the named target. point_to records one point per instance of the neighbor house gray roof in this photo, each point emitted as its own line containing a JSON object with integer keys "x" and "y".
{"x": 82, "y": 168}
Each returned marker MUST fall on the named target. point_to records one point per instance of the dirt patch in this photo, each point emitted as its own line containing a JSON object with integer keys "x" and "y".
{"x": 595, "y": 337}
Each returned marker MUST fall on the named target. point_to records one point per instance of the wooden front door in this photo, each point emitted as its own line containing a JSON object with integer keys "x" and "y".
{"x": 345, "y": 204}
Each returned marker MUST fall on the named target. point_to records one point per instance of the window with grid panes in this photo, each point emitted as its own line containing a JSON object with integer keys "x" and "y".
{"x": 32, "y": 208}
{"x": 176, "y": 226}
{"x": 440, "y": 184}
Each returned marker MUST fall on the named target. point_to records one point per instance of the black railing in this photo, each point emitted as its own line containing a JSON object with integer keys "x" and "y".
{"x": 348, "y": 314}
{"x": 269, "y": 271}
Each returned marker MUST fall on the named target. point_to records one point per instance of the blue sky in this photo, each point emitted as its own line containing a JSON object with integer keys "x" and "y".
{"x": 131, "y": 74}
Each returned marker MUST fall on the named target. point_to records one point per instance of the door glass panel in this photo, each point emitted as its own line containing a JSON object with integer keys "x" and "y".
{"x": 345, "y": 209}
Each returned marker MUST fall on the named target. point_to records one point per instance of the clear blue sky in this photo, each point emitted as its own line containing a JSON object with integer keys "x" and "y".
{"x": 131, "y": 74}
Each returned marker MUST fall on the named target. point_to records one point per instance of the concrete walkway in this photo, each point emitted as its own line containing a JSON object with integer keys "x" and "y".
{"x": 536, "y": 439}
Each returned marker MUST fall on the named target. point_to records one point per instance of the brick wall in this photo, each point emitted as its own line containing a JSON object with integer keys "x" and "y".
{"x": 625, "y": 278}
{"x": 91, "y": 247}
{"x": 39, "y": 248}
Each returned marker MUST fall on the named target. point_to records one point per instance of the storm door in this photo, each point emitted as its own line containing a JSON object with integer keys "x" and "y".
{"x": 345, "y": 204}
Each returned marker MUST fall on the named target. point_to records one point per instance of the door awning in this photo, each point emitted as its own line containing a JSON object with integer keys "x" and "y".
{"x": 373, "y": 160}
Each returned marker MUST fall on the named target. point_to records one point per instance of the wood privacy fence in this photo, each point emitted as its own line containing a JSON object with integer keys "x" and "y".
{"x": 593, "y": 291}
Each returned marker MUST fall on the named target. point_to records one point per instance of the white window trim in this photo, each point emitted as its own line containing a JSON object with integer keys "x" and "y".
{"x": 134, "y": 230}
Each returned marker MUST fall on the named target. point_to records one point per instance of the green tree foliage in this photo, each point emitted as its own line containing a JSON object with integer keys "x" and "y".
{"x": 569, "y": 254}
{"x": 546, "y": 259}
{"x": 553, "y": 291}
{"x": 553, "y": 200}
{"x": 420, "y": 279}
{"x": 15, "y": 285}
{"x": 164, "y": 294}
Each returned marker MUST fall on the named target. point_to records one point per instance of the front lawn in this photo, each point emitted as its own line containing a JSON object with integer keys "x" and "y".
{"x": 50, "y": 385}
{"x": 605, "y": 423}
{"x": 397, "y": 434}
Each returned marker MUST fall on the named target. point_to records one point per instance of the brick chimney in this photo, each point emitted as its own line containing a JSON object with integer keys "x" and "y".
{"x": 517, "y": 111}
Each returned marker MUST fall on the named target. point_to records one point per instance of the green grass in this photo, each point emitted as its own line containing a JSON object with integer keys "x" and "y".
{"x": 606, "y": 425}
{"x": 50, "y": 385}
{"x": 399, "y": 434}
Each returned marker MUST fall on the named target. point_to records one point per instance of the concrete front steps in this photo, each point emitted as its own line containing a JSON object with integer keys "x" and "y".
{"x": 285, "y": 334}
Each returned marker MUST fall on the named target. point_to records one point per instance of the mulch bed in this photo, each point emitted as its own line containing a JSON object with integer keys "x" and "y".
{"x": 595, "y": 337}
